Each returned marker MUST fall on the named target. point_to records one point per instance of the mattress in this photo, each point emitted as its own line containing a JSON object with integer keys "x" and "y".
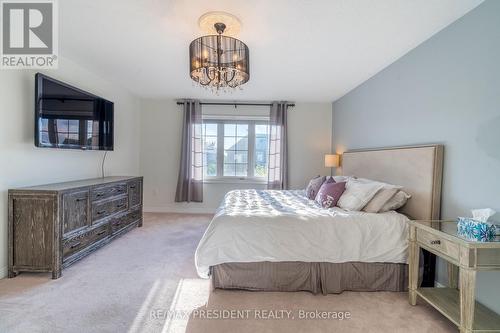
{"x": 285, "y": 226}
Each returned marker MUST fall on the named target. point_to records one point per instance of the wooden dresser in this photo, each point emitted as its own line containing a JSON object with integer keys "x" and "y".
{"x": 53, "y": 226}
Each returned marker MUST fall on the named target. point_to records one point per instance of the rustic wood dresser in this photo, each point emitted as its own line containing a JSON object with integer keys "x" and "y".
{"x": 53, "y": 226}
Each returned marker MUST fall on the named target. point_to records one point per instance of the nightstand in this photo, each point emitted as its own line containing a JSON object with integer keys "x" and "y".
{"x": 458, "y": 305}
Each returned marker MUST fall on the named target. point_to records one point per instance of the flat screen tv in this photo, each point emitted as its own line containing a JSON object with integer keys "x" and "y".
{"x": 70, "y": 118}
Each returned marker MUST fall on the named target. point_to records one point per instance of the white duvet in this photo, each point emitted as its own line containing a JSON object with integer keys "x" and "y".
{"x": 254, "y": 226}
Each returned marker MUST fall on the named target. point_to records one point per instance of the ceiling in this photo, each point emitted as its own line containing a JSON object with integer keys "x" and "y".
{"x": 300, "y": 50}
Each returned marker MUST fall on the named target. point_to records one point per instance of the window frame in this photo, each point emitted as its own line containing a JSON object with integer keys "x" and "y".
{"x": 220, "y": 120}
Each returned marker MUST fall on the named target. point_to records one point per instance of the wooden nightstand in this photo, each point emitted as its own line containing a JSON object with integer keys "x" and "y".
{"x": 458, "y": 305}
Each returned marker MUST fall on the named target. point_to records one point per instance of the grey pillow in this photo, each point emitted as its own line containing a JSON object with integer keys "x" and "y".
{"x": 396, "y": 202}
{"x": 380, "y": 199}
{"x": 313, "y": 187}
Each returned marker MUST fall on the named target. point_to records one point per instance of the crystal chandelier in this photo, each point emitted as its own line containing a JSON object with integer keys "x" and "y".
{"x": 219, "y": 62}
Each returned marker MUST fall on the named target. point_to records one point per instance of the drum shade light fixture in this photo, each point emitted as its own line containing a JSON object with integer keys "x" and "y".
{"x": 217, "y": 61}
{"x": 332, "y": 161}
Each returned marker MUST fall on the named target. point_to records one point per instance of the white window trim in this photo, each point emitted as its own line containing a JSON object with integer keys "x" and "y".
{"x": 220, "y": 120}
{"x": 235, "y": 180}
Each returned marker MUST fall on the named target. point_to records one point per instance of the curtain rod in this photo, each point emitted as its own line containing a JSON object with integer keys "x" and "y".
{"x": 237, "y": 103}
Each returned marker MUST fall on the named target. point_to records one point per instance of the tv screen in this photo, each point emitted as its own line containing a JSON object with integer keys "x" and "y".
{"x": 67, "y": 117}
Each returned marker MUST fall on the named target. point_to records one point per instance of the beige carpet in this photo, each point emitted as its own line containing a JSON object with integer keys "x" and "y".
{"x": 146, "y": 282}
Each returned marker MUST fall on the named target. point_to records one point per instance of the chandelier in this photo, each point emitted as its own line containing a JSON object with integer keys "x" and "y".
{"x": 217, "y": 61}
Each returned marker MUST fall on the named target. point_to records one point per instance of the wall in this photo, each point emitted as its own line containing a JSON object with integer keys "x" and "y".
{"x": 22, "y": 164}
{"x": 447, "y": 90}
{"x": 309, "y": 139}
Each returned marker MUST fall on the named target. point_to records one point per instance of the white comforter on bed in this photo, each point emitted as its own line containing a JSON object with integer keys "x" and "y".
{"x": 254, "y": 226}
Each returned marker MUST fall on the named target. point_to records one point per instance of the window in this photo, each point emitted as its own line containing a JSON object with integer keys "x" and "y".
{"x": 261, "y": 150}
{"x": 235, "y": 149}
{"x": 210, "y": 150}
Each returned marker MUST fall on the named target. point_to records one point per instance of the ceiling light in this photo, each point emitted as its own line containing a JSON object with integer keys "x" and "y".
{"x": 218, "y": 61}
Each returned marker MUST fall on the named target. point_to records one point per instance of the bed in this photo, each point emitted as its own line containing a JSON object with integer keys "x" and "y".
{"x": 282, "y": 241}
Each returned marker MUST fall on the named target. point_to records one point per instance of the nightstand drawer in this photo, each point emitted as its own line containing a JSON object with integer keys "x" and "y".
{"x": 439, "y": 244}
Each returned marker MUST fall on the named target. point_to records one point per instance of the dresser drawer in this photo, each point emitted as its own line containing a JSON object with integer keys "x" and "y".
{"x": 77, "y": 243}
{"x": 101, "y": 210}
{"x": 108, "y": 191}
{"x": 122, "y": 221}
{"x": 438, "y": 244}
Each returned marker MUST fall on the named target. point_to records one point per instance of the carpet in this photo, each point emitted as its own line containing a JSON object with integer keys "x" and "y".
{"x": 146, "y": 281}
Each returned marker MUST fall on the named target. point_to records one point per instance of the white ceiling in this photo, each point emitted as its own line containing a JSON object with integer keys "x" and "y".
{"x": 300, "y": 50}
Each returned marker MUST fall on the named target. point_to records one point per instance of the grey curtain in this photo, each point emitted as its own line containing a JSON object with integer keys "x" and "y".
{"x": 190, "y": 181}
{"x": 278, "y": 147}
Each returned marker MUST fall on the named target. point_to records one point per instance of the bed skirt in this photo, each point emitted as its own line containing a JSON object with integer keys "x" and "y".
{"x": 326, "y": 278}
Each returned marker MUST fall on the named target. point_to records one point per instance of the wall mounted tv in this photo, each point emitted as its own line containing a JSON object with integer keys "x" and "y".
{"x": 70, "y": 118}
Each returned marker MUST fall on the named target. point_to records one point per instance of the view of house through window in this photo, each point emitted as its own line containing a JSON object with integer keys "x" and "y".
{"x": 210, "y": 150}
{"x": 237, "y": 149}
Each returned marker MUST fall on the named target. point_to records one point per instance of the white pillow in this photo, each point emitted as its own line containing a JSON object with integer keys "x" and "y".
{"x": 357, "y": 194}
{"x": 339, "y": 179}
{"x": 396, "y": 202}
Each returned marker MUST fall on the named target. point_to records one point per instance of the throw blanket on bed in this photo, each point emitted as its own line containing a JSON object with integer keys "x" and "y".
{"x": 255, "y": 226}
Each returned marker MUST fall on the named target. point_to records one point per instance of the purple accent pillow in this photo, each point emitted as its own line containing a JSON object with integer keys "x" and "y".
{"x": 313, "y": 187}
{"x": 329, "y": 194}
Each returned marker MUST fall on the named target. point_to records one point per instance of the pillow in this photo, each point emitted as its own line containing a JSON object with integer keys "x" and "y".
{"x": 396, "y": 202}
{"x": 380, "y": 199}
{"x": 357, "y": 194}
{"x": 313, "y": 187}
{"x": 329, "y": 193}
{"x": 339, "y": 179}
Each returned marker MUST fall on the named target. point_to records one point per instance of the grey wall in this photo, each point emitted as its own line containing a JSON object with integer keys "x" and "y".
{"x": 447, "y": 90}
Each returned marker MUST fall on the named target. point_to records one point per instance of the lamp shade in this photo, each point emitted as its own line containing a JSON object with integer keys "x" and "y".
{"x": 331, "y": 161}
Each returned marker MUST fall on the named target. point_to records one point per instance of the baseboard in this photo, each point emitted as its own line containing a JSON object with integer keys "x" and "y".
{"x": 178, "y": 209}
{"x": 3, "y": 272}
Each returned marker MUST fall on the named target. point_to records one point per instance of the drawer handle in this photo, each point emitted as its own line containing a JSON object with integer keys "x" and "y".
{"x": 101, "y": 232}
{"x": 75, "y": 245}
{"x": 101, "y": 212}
{"x": 81, "y": 199}
{"x": 133, "y": 186}
{"x": 435, "y": 242}
{"x": 120, "y": 205}
{"x": 99, "y": 194}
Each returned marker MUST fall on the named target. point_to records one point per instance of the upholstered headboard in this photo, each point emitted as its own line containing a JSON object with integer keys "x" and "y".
{"x": 418, "y": 169}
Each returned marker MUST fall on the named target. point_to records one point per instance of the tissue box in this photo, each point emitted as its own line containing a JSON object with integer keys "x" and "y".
{"x": 476, "y": 231}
